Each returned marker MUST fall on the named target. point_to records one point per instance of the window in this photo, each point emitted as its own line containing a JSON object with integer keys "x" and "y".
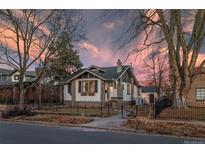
{"x": 16, "y": 77}
{"x": 69, "y": 88}
{"x": 128, "y": 89}
{"x": 115, "y": 85}
{"x": 89, "y": 87}
{"x": 200, "y": 94}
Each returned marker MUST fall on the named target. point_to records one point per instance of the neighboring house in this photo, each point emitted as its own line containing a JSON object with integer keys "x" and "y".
{"x": 29, "y": 75}
{"x": 149, "y": 94}
{"x": 5, "y": 77}
{"x": 97, "y": 85}
{"x": 9, "y": 91}
{"x": 196, "y": 95}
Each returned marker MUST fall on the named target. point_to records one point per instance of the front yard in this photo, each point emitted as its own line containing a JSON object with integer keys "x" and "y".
{"x": 56, "y": 119}
{"x": 170, "y": 127}
{"x": 192, "y": 113}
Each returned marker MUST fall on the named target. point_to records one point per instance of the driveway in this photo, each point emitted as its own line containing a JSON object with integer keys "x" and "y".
{"x": 11, "y": 132}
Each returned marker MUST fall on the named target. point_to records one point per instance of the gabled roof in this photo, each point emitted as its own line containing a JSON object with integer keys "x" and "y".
{"x": 5, "y": 71}
{"x": 106, "y": 73}
{"x": 28, "y": 73}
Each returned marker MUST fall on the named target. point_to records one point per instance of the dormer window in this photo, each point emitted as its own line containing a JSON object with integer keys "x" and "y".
{"x": 16, "y": 77}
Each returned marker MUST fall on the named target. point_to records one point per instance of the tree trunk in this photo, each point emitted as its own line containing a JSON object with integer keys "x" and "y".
{"x": 179, "y": 95}
{"x": 21, "y": 97}
{"x": 40, "y": 96}
{"x": 177, "y": 102}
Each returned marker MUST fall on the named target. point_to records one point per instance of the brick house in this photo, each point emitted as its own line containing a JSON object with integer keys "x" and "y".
{"x": 196, "y": 95}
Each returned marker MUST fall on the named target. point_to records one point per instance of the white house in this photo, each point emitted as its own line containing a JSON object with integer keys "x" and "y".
{"x": 28, "y": 76}
{"x": 149, "y": 94}
{"x": 97, "y": 85}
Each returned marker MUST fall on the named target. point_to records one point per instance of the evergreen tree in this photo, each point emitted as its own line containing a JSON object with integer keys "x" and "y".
{"x": 65, "y": 60}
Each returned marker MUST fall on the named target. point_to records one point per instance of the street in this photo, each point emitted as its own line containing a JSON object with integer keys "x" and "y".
{"x": 22, "y": 133}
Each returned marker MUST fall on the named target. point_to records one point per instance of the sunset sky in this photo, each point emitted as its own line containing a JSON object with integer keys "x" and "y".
{"x": 100, "y": 47}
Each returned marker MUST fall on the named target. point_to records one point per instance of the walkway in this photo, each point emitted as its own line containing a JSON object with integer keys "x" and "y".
{"x": 109, "y": 122}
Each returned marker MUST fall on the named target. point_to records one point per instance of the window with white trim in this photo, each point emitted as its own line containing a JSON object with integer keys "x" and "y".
{"x": 200, "y": 94}
{"x": 89, "y": 87}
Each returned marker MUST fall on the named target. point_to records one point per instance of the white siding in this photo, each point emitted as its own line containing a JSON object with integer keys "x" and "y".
{"x": 136, "y": 88}
{"x": 67, "y": 95}
{"x": 96, "y": 98}
{"x": 146, "y": 96}
{"x": 112, "y": 92}
{"x": 126, "y": 97}
{"x": 17, "y": 73}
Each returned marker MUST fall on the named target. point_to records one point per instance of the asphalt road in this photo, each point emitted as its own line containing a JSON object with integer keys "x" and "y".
{"x": 22, "y": 133}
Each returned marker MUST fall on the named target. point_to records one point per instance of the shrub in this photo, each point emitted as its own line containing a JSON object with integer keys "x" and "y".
{"x": 16, "y": 112}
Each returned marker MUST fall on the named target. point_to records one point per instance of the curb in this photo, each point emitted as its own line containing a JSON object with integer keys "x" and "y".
{"x": 101, "y": 128}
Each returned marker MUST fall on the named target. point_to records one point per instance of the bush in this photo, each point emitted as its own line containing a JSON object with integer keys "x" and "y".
{"x": 16, "y": 112}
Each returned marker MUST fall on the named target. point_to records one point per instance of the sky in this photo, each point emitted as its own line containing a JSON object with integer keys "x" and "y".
{"x": 100, "y": 47}
{"x": 101, "y": 44}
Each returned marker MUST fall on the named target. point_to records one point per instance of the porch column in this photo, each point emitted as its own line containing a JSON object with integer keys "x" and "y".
{"x": 102, "y": 92}
{"x": 132, "y": 91}
{"x": 73, "y": 93}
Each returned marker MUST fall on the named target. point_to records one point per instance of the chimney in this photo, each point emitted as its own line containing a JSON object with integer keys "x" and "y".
{"x": 119, "y": 66}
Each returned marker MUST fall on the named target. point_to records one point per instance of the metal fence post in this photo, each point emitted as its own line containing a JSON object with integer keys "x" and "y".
{"x": 101, "y": 110}
{"x": 122, "y": 110}
{"x": 108, "y": 109}
{"x": 136, "y": 110}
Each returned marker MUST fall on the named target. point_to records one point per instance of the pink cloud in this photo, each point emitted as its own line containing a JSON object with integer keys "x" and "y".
{"x": 109, "y": 25}
{"x": 90, "y": 48}
{"x": 97, "y": 56}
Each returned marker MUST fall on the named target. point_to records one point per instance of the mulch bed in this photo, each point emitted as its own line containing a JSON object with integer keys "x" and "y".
{"x": 61, "y": 119}
{"x": 177, "y": 128}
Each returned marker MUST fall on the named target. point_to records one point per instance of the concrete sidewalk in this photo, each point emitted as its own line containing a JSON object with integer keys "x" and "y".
{"x": 109, "y": 122}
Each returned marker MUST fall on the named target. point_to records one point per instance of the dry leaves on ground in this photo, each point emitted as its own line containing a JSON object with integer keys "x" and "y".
{"x": 167, "y": 127}
{"x": 56, "y": 119}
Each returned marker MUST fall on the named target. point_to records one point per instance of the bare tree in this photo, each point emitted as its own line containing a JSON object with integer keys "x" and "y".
{"x": 156, "y": 68}
{"x": 168, "y": 28}
{"x": 25, "y": 38}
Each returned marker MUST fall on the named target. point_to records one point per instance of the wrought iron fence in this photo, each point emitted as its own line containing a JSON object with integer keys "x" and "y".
{"x": 169, "y": 113}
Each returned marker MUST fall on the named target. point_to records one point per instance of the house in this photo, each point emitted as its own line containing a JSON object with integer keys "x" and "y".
{"x": 149, "y": 94}
{"x": 29, "y": 75}
{"x": 97, "y": 85}
{"x": 8, "y": 77}
{"x": 5, "y": 77}
{"x": 196, "y": 95}
{"x": 9, "y": 91}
